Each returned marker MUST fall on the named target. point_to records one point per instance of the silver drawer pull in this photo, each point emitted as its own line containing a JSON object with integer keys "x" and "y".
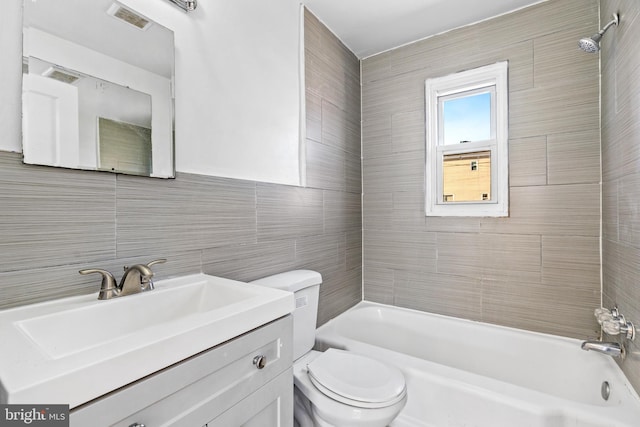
{"x": 260, "y": 361}
{"x": 136, "y": 425}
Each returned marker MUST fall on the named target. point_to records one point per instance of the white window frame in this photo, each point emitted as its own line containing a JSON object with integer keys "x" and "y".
{"x": 495, "y": 78}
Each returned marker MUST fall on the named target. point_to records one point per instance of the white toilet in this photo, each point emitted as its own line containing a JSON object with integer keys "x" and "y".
{"x": 335, "y": 387}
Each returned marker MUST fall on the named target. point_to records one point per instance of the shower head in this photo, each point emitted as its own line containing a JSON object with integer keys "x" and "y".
{"x": 592, "y": 44}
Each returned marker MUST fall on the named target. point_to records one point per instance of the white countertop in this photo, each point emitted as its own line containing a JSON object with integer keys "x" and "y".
{"x": 57, "y": 352}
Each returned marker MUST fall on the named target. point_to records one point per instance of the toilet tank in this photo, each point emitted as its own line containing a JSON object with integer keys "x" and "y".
{"x": 305, "y": 284}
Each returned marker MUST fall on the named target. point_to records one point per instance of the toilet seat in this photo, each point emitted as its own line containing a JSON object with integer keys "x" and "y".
{"x": 356, "y": 380}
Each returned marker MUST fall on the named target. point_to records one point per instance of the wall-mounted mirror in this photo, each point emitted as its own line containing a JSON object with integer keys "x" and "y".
{"x": 97, "y": 88}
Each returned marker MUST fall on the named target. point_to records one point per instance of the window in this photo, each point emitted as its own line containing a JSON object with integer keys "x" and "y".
{"x": 467, "y": 143}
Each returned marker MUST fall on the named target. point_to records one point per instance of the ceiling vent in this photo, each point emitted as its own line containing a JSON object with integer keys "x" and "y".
{"x": 61, "y": 74}
{"x": 132, "y": 18}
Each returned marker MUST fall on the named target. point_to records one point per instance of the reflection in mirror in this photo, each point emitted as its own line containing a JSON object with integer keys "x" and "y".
{"x": 124, "y": 147}
{"x": 97, "y": 88}
{"x": 467, "y": 177}
{"x": 82, "y": 141}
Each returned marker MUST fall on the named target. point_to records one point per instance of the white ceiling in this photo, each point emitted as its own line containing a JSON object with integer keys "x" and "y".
{"x": 368, "y": 27}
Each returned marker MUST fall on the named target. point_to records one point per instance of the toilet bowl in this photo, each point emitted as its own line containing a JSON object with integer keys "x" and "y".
{"x": 339, "y": 388}
{"x": 335, "y": 388}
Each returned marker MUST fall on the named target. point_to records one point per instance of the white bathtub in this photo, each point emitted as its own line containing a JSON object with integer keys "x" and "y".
{"x": 462, "y": 373}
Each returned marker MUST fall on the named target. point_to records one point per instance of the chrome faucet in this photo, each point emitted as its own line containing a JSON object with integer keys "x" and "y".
{"x": 135, "y": 279}
{"x": 612, "y": 349}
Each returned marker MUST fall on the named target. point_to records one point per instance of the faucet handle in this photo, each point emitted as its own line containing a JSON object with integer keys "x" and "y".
{"x": 157, "y": 261}
{"x": 620, "y": 327}
{"x": 629, "y": 331}
{"x": 604, "y": 314}
{"x": 148, "y": 283}
{"x": 108, "y": 287}
{"x": 611, "y": 327}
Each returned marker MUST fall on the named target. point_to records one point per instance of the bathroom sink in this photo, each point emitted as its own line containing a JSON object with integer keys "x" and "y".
{"x": 67, "y": 332}
{"x": 72, "y": 350}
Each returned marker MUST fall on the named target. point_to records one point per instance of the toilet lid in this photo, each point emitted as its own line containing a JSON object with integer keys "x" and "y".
{"x": 356, "y": 380}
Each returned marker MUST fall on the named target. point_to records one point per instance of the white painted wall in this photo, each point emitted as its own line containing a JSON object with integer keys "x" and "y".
{"x": 237, "y": 88}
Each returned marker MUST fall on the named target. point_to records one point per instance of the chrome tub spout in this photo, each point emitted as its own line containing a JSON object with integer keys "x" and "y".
{"x": 612, "y": 349}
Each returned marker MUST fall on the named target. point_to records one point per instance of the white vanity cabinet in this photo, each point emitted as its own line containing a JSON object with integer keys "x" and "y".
{"x": 224, "y": 386}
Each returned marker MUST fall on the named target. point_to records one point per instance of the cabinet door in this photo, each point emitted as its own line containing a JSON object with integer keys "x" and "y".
{"x": 272, "y": 406}
{"x": 201, "y": 388}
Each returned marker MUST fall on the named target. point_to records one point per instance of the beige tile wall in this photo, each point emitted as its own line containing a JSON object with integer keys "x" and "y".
{"x": 621, "y": 169}
{"x": 54, "y": 222}
{"x": 539, "y": 269}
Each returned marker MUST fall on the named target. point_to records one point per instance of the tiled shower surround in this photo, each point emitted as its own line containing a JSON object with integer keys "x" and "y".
{"x": 54, "y": 222}
{"x": 621, "y": 169}
{"x": 538, "y": 269}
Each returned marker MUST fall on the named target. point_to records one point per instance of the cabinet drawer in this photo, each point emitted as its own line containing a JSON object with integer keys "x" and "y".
{"x": 198, "y": 389}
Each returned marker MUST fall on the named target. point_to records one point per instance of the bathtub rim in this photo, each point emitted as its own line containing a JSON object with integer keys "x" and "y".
{"x": 364, "y": 304}
{"x": 329, "y": 327}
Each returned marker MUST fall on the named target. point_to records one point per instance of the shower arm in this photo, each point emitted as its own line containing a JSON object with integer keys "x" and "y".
{"x": 614, "y": 21}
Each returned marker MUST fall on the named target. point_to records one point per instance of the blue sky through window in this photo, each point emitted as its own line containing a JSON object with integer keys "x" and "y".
{"x": 467, "y": 118}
